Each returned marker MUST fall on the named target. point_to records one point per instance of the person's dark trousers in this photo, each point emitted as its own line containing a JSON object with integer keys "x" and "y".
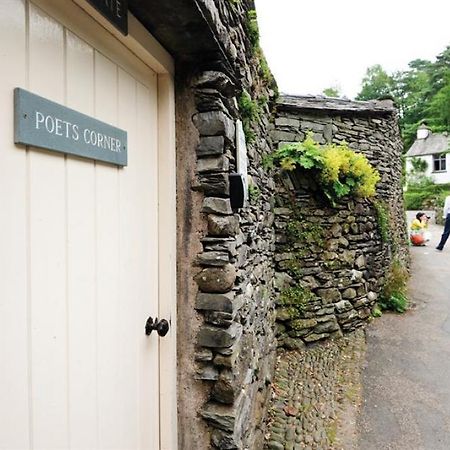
{"x": 445, "y": 234}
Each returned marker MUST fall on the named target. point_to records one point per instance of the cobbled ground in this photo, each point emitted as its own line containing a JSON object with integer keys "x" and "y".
{"x": 316, "y": 395}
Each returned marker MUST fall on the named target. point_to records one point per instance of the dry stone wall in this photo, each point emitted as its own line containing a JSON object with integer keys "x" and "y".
{"x": 232, "y": 300}
{"x": 338, "y": 252}
{"x": 232, "y": 263}
{"x": 235, "y": 344}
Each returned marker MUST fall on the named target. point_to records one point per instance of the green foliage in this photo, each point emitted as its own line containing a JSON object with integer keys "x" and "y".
{"x": 397, "y": 302}
{"x": 264, "y": 69}
{"x": 296, "y": 295}
{"x": 302, "y": 233}
{"x": 253, "y": 194}
{"x": 419, "y": 165}
{"x": 253, "y": 29}
{"x": 250, "y": 111}
{"x": 248, "y": 107}
{"x": 376, "y": 84}
{"x": 295, "y": 298}
{"x": 332, "y": 92}
{"x": 383, "y": 221}
{"x": 338, "y": 170}
{"x": 425, "y": 194}
{"x": 376, "y": 311}
{"x": 394, "y": 293}
{"x": 415, "y": 200}
{"x": 422, "y": 93}
{"x": 302, "y": 237}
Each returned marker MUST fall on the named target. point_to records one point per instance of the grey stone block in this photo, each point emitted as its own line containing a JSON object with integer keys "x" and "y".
{"x": 213, "y": 258}
{"x": 216, "y": 279}
{"x": 219, "y": 416}
{"x": 215, "y": 302}
{"x": 214, "y": 123}
{"x": 349, "y": 293}
{"x": 218, "y": 318}
{"x": 203, "y": 354}
{"x": 216, "y": 80}
{"x": 213, "y": 337}
{"x": 223, "y": 225}
{"x": 343, "y": 306}
{"x": 287, "y": 122}
{"x": 217, "y": 205}
{"x": 214, "y": 164}
{"x": 214, "y": 184}
{"x": 207, "y": 373}
{"x": 211, "y": 145}
{"x": 224, "y": 391}
{"x": 329, "y": 295}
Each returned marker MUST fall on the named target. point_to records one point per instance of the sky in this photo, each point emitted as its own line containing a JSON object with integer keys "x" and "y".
{"x": 311, "y": 45}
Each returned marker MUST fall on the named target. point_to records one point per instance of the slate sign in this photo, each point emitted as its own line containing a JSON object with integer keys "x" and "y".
{"x": 116, "y": 11}
{"x": 42, "y": 123}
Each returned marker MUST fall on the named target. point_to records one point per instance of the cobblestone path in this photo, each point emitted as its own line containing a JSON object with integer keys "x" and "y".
{"x": 316, "y": 396}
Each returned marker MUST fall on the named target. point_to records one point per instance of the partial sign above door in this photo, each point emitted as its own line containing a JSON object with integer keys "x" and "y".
{"x": 42, "y": 123}
{"x": 116, "y": 11}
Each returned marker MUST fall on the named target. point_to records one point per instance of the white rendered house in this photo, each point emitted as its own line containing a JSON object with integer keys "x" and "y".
{"x": 432, "y": 148}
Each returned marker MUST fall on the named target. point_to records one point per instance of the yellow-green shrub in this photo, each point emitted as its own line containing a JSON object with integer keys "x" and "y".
{"x": 338, "y": 169}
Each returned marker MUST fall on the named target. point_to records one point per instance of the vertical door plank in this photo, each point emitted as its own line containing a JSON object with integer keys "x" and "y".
{"x": 130, "y": 296}
{"x": 82, "y": 308}
{"x": 108, "y": 260}
{"x": 14, "y": 386}
{"x": 48, "y": 247}
{"x": 148, "y": 187}
{"x": 167, "y": 257}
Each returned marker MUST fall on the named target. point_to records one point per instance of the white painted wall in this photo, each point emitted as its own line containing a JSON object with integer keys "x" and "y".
{"x": 438, "y": 177}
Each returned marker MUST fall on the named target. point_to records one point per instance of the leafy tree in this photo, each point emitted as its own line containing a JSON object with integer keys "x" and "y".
{"x": 376, "y": 84}
{"x": 333, "y": 91}
{"x": 422, "y": 93}
{"x": 439, "y": 109}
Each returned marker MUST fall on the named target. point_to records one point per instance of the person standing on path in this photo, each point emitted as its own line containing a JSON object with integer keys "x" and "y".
{"x": 446, "y": 216}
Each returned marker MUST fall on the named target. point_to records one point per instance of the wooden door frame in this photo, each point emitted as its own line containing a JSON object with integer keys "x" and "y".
{"x": 146, "y": 48}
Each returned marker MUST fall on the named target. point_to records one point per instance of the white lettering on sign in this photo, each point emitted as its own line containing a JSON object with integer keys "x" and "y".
{"x": 115, "y": 6}
{"x": 102, "y": 140}
{"x": 54, "y": 125}
{"x": 59, "y": 127}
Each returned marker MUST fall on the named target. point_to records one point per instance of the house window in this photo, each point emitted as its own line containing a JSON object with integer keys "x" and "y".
{"x": 439, "y": 162}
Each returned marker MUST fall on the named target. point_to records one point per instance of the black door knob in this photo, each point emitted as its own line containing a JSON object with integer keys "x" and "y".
{"x": 161, "y": 326}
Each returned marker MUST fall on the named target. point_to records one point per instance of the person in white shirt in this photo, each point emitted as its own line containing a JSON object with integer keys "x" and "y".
{"x": 446, "y": 232}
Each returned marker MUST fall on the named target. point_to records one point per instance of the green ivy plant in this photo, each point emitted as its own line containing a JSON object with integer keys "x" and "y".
{"x": 382, "y": 219}
{"x": 294, "y": 300}
{"x": 250, "y": 112}
{"x": 394, "y": 293}
{"x": 338, "y": 170}
{"x": 253, "y": 194}
{"x": 253, "y": 29}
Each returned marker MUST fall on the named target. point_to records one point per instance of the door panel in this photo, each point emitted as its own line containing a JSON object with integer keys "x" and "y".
{"x": 81, "y": 260}
{"x": 47, "y": 248}
{"x": 80, "y": 251}
{"x": 14, "y": 418}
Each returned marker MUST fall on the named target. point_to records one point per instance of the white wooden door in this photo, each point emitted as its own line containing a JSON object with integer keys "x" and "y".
{"x": 78, "y": 245}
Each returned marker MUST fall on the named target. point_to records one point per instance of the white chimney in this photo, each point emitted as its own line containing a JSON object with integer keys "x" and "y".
{"x": 423, "y": 132}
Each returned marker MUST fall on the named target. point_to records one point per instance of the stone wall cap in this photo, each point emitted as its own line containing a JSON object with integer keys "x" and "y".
{"x": 337, "y": 105}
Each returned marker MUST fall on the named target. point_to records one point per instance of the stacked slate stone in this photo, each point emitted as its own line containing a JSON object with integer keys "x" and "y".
{"x": 346, "y": 272}
{"x": 341, "y": 272}
{"x": 236, "y": 343}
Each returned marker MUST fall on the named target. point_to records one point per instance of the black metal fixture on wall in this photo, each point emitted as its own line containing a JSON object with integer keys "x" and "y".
{"x": 237, "y": 190}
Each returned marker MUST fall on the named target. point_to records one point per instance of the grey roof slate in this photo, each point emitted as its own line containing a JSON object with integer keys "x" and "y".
{"x": 434, "y": 143}
{"x": 331, "y": 104}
